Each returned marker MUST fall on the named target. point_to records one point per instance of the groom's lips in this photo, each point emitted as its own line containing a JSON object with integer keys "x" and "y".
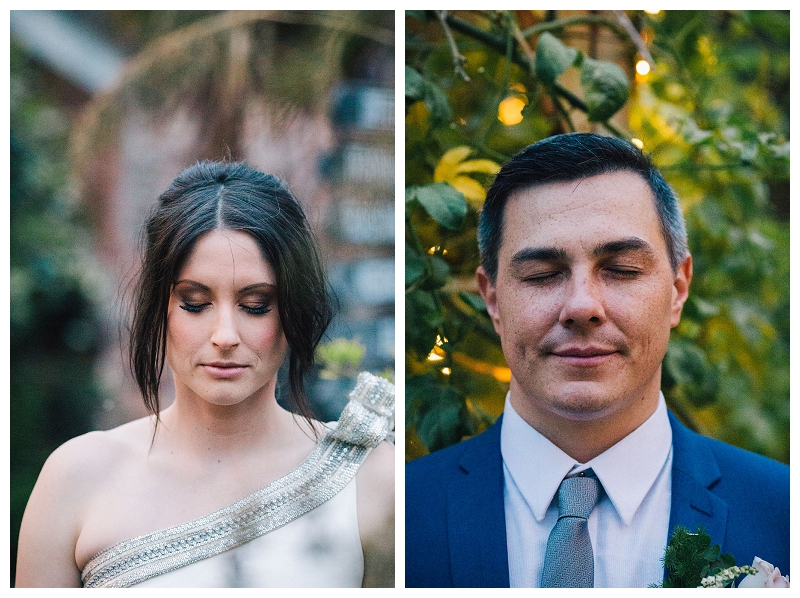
{"x": 584, "y": 356}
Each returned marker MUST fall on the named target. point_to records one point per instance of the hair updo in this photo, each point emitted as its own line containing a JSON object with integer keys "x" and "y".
{"x": 229, "y": 196}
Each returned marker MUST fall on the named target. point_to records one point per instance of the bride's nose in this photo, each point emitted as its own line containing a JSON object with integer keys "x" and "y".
{"x": 225, "y": 334}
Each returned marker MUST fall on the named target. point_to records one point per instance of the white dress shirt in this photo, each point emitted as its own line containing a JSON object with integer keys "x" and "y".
{"x": 629, "y": 525}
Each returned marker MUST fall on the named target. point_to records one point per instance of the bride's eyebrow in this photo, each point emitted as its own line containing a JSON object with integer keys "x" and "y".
{"x": 259, "y": 286}
{"x": 192, "y": 283}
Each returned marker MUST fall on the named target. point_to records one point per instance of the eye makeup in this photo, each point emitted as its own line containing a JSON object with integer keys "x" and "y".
{"x": 256, "y": 299}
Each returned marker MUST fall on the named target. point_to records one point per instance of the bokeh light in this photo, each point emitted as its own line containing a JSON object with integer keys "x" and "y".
{"x": 509, "y": 112}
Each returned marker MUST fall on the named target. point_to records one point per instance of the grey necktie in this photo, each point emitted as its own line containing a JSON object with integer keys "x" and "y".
{"x": 569, "y": 560}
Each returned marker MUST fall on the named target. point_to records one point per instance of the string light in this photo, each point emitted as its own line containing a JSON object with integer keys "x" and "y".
{"x": 437, "y": 353}
{"x": 637, "y": 142}
{"x": 446, "y": 371}
{"x": 642, "y": 67}
{"x": 652, "y": 12}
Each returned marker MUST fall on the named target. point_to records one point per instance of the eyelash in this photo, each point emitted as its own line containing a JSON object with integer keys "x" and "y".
{"x": 194, "y": 308}
{"x": 623, "y": 272}
{"x": 257, "y": 311}
{"x": 544, "y": 278}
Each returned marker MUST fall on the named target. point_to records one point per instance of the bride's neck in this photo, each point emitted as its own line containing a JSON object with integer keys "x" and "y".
{"x": 194, "y": 425}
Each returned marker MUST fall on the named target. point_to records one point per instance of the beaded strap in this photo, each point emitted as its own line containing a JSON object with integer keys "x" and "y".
{"x": 369, "y": 416}
{"x": 365, "y": 421}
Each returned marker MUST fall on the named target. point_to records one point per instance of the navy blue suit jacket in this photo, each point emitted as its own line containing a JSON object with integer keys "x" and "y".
{"x": 455, "y": 515}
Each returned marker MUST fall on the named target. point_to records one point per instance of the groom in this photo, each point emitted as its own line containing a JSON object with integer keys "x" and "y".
{"x": 585, "y": 270}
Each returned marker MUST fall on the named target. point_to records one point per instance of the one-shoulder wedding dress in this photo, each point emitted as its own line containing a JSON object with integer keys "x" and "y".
{"x": 299, "y": 531}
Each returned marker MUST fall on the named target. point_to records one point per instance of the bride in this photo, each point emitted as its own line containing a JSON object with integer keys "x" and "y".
{"x": 224, "y": 487}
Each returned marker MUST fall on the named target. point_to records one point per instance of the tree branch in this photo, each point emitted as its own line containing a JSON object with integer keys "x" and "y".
{"x": 523, "y": 43}
{"x": 458, "y": 58}
{"x": 626, "y": 23}
{"x": 499, "y": 45}
{"x": 569, "y": 22}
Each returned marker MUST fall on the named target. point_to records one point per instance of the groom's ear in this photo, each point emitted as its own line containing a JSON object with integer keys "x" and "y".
{"x": 489, "y": 294}
{"x": 680, "y": 289}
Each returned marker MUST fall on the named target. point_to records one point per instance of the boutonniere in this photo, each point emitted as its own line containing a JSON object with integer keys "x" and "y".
{"x": 691, "y": 561}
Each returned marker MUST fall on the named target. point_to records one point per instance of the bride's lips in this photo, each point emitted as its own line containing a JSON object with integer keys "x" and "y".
{"x": 584, "y": 356}
{"x": 219, "y": 369}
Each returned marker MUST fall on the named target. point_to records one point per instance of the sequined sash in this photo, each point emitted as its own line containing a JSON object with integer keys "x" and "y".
{"x": 364, "y": 423}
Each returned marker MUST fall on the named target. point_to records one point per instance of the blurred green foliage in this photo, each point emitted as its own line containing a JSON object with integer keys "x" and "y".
{"x": 55, "y": 327}
{"x": 713, "y": 113}
{"x": 340, "y": 357}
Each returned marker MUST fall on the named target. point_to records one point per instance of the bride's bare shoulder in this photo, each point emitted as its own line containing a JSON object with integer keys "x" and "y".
{"x": 89, "y": 455}
{"x": 71, "y": 477}
{"x": 375, "y": 484}
{"x": 375, "y": 504}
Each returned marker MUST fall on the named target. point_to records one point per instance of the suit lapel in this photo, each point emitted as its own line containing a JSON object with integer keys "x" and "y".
{"x": 476, "y": 512}
{"x": 694, "y": 472}
{"x": 476, "y": 515}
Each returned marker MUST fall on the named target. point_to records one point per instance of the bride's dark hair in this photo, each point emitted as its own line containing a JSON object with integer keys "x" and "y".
{"x": 230, "y": 196}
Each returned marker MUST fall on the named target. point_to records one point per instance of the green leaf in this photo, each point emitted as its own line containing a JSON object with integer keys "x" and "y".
{"x": 440, "y": 275}
{"x": 441, "y": 424}
{"x": 419, "y": 88}
{"x": 416, "y": 391}
{"x": 411, "y": 193}
{"x": 422, "y": 321}
{"x": 705, "y": 308}
{"x": 692, "y": 132}
{"x": 688, "y": 365}
{"x": 473, "y": 300}
{"x": 415, "y": 84}
{"x": 780, "y": 150}
{"x": 415, "y": 266}
{"x": 552, "y": 58}
{"x": 417, "y": 14}
{"x": 711, "y": 553}
{"x": 605, "y": 87}
{"x": 440, "y": 112}
{"x": 444, "y": 204}
{"x": 726, "y": 560}
{"x": 749, "y": 152}
{"x": 424, "y": 308}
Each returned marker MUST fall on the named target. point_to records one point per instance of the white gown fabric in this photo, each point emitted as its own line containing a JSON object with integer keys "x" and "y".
{"x": 299, "y": 531}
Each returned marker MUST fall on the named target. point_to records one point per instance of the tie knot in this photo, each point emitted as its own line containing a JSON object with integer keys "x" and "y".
{"x": 578, "y": 495}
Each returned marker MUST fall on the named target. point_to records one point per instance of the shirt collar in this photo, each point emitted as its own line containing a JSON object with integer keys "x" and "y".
{"x": 627, "y": 470}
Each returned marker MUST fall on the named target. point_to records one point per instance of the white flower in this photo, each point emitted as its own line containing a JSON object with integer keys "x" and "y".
{"x": 724, "y": 578}
{"x": 767, "y": 576}
{"x": 709, "y": 582}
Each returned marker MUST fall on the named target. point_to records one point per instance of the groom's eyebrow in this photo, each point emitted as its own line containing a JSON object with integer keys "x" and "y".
{"x": 536, "y": 254}
{"x": 626, "y": 245}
